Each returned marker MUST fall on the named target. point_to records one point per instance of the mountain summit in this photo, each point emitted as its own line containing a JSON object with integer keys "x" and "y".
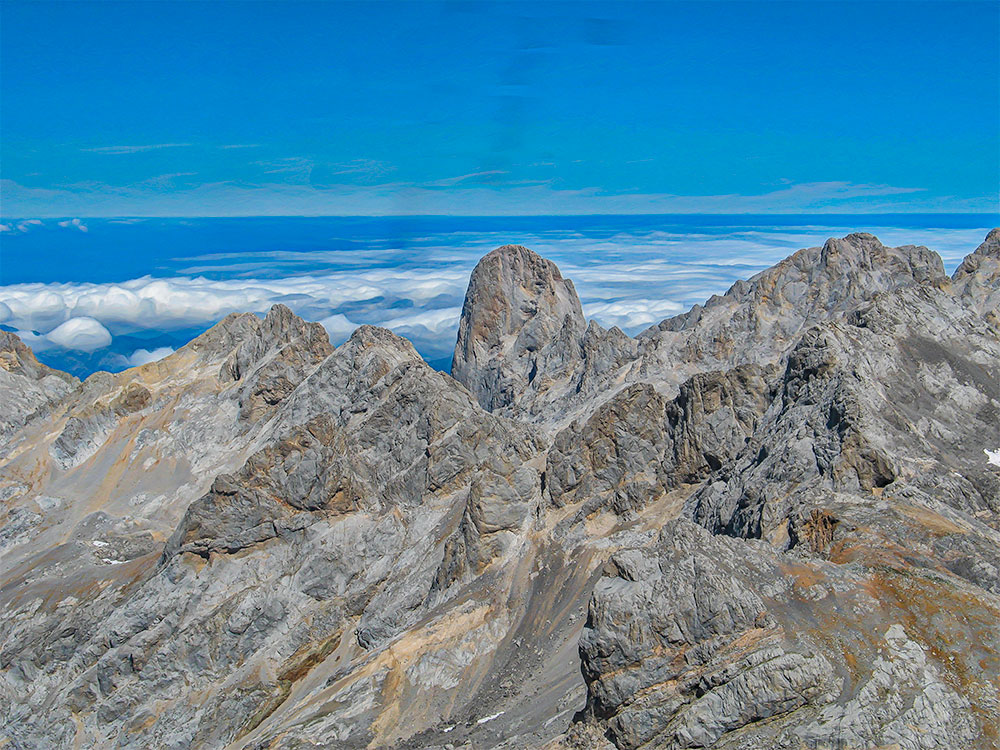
{"x": 770, "y": 522}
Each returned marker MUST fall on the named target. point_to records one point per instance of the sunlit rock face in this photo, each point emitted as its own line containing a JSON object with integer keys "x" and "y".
{"x": 521, "y": 319}
{"x": 771, "y": 522}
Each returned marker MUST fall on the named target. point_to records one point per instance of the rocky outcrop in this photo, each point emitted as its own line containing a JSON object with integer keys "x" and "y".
{"x": 759, "y": 320}
{"x": 977, "y": 279}
{"x": 274, "y": 359}
{"x": 333, "y": 538}
{"x": 639, "y": 445}
{"x": 842, "y": 423}
{"x": 863, "y": 487}
{"x": 704, "y": 641}
{"x": 521, "y": 320}
{"x": 27, "y": 386}
{"x": 772, "y": 522}
{"x": 535, "y": 363}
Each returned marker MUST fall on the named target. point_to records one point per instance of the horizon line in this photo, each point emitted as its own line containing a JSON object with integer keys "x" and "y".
{"x": 495, "y": 216}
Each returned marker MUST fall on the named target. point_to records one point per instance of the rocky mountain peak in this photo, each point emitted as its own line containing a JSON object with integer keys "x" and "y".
{"x": 864, "y": 251}
{"x": 26, "y": 384}
{"x": 518, "y": 311}
{"x": 990, "y": 248}
{"x": 17, "y": 357}
{"x": 224, "y": 335}
{"x": 773, "y": 522}
{"x": 370, "y": 337}
{"x": 977, "y": 278}
{"x": 991, "y": 245}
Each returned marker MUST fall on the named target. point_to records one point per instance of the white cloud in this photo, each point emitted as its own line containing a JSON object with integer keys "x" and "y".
{"x": 73, "y": 224}
{"x": 282, "y": 196}
{"x": 145, "y": 356}
{"x": 339, "y": 327}
{"x": 299, "y": 166}
{"x": 430, "y": 322}
{"x": 632, "y": 316}
{"x": 630, "y": 278}
{"x": 360, "y": 166}
{"x": 148, "y": 304}
{"x": 38, "y": 342}
{"x": 81, "y": 334}
{"x": 488, "y": 175}
{"x": 20, "y": 226}
{"x": 133, "y": 149}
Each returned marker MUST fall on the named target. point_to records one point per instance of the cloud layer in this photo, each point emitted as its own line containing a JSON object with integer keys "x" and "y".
{"x": 631, "y": 279}
{"x": 295, "y": 186}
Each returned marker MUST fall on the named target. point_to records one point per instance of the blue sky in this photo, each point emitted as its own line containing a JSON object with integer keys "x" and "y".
{"x": 217, "y": 109}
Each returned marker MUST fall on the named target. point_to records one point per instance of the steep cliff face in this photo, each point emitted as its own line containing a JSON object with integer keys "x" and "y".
{"x": 521, "y": 319}
{"x": 771, "y": 522}
{"x": 977, "y": 279}
{"x": 564, "y": 372}
{"x": 27, "y": 386}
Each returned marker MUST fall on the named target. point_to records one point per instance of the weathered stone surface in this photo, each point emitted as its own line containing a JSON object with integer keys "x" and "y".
{"x": 778, "y": 506}
{"x": 319, "y": 552}
{"x": 275, "y": 359}
{"x": 639, "y": 445}
{"x": 899, "y": 398}
{"x": 977, "y": 279}
{"x": 27, "y": 386}
{"x": 549, "y": 372}
{"x": 704, "y": 641}
{"x": 521, "y": 319}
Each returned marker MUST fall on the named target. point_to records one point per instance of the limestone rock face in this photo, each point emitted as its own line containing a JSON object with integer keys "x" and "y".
{"x": 977, "y": 279}
{"x": 639, "y": 445}
{"x": 521, "y": 319}
{"x": 758, "y": 320}
{"x": 772, "y": 522}
{"x": 551, "y": 373}
{"x": 270, "y": 363}
{"x": 704, "y": 641}
{"x": 26, "y": 385}
{"x": 842, "y": 421}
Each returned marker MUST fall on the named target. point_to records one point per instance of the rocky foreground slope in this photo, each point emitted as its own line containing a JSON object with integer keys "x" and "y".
{"x": 770, "y": 522}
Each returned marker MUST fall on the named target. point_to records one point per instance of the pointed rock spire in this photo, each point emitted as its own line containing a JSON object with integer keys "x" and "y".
{"x": 520, "y": 318}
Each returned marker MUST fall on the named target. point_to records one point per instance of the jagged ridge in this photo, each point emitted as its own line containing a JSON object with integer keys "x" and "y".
{"x": 777, "y": 506}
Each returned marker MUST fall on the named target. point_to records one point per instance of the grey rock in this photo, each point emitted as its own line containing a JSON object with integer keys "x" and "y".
{"x": 704, "y": 641}
{"x": 537, "y": 362}
{"x": 639, "y": 444}
{"x": 977, "y": 278}
{"x": 27, "y": 387}
{"x": 521, "y": 319}
{"x": 767, "y": 523}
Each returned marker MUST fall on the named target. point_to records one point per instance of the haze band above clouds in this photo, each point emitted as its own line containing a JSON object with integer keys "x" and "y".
{"x": 630, "y": 280}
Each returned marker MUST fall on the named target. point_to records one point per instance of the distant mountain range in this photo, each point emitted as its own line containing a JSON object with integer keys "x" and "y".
{"x": 772, "y": 521}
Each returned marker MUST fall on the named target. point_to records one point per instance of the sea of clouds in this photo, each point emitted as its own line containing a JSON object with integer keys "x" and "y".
{"x": 631, "y": 279}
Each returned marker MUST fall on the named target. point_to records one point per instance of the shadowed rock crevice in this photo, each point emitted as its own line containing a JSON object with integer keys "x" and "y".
{"x": 640, "y": 445}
